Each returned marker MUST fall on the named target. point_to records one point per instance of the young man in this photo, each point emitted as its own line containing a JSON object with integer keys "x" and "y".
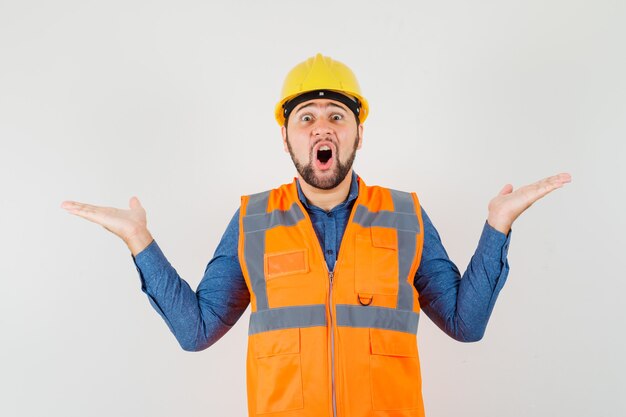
{"x": 336, "y": 271}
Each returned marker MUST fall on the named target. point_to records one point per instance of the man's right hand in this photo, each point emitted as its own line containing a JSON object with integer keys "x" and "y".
{"x": 128, "y": 225}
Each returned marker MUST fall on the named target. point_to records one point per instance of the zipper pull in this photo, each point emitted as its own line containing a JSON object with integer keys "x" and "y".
{"x": 330, "y": 275}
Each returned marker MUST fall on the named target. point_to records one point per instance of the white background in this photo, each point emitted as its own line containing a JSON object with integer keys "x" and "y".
{"x": 173, "y": 102}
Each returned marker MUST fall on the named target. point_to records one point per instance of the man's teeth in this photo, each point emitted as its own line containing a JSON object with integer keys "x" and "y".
{"x": 324, "y": 148}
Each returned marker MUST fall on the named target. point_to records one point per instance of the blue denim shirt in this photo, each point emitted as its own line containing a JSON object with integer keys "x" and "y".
{"x": 460, "y": 306}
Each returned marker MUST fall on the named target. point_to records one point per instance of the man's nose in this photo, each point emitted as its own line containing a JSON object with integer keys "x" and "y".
{"x": 322, "y": 128}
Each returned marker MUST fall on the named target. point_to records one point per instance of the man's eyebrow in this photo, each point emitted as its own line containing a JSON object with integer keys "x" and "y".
{"x": 336, "y": 105}
{"x": 311, "y": 104}
{"x": 306, "y": 105}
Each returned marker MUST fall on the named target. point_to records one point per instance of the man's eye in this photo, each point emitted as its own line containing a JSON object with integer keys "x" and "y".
{"x": 306, "y": 118}
{"x": 337, "y": 117}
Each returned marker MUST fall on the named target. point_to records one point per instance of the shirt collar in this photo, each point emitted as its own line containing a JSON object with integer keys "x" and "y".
{"x": 352, "y": 194}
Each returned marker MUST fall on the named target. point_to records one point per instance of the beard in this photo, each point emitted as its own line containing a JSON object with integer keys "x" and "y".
{"x": 339, "y": 171}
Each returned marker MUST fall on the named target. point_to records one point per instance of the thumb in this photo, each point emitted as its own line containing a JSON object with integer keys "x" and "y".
{"x": 134, "y": 203}
{"x": 507, "y": 189}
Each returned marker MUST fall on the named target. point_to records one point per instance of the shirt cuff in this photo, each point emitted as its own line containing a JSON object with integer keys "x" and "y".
{"x": 149, "y": 262}
{"x": 494, "y": 243}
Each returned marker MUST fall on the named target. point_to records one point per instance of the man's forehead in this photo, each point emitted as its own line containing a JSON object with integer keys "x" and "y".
{"x": 321, "y": 102}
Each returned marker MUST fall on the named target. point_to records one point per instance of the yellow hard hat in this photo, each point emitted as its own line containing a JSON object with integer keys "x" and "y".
{"x": 320, "y": 73}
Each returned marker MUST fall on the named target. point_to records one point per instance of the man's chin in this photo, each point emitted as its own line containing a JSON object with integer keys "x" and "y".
{"x": 323, "y": 180}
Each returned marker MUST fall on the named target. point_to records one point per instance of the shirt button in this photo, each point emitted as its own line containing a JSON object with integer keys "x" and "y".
{"x": 329, "y": 251}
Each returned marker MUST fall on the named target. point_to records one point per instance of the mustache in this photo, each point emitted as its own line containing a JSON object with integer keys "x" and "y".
{"x": 326, "y": 139}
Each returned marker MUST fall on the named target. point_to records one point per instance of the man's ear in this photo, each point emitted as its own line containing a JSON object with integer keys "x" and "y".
{"x": 283, "y": 132}
{"x": 360, "y": 129}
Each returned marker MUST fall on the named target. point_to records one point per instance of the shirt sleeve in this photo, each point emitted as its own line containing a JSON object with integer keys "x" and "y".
{"x": 461, "y": 306}
{"x": 197, "y": 319}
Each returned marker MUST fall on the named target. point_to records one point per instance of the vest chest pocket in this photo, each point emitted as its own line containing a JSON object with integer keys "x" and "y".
{"x": 376, "y": 261}
{"x": 395, "y": 379}
{"x": 279, "y": 371}
{"x": 285, "y": 263}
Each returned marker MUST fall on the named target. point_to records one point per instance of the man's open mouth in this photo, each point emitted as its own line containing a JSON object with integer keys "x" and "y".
{"x": 323, "y": 157}
{"x": 324, "y": 153}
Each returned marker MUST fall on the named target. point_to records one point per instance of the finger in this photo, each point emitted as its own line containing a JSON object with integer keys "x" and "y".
{"x": 507, "y": 189}
{"x": 67, "y": 204}
{"x": 561, "y": 178}
{"x": 75, "y": 205}
{"x": 86, "y": 211}
{"x": 557, "y": 181}
{"x": 134, "y": 203}
{"x": 564, "y": 177}
{"x": 70, "y": 205}
{"x": 547, "y": 185}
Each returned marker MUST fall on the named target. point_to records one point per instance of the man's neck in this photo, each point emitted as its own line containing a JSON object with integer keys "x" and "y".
{"x": 326, "y": 199}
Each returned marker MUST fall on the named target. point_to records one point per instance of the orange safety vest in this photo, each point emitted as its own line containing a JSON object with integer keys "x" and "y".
{"x": 339, "y": 343}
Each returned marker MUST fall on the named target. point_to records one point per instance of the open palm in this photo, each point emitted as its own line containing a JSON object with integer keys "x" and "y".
{"x": 508, "y": 204}
{"x": 121, "y": 222}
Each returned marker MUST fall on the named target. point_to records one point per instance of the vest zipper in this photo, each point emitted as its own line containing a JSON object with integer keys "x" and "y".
{"x": 330, "y": 299}
{"x": 332, "y": 343}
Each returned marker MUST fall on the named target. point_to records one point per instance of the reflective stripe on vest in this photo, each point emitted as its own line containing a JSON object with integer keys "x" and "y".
{"x": 402, "y": 318}
{"x": 256, "y": 222}
{"x": 404, "y": 220}
{"x": 347, "y": 315}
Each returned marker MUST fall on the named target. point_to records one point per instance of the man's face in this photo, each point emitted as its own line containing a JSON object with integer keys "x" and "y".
{"x": 322, "y": 138}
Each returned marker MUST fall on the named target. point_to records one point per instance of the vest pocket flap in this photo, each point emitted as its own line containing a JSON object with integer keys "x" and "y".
{"x": 384, "y": 237}
{"x": 286, "y": 263}
{"x": 393, "y": 343}
{"x": 277, "y": 342}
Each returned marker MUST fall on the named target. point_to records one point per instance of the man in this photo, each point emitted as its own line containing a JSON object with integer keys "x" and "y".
{"x": 336, "y": 271}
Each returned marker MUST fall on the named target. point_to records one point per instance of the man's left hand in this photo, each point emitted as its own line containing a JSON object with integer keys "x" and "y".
{"x": 509, "y": 204}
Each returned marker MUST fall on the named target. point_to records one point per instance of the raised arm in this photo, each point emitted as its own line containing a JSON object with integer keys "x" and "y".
{"x": 197, "y": 319}
{"x": 461, "y": 306}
